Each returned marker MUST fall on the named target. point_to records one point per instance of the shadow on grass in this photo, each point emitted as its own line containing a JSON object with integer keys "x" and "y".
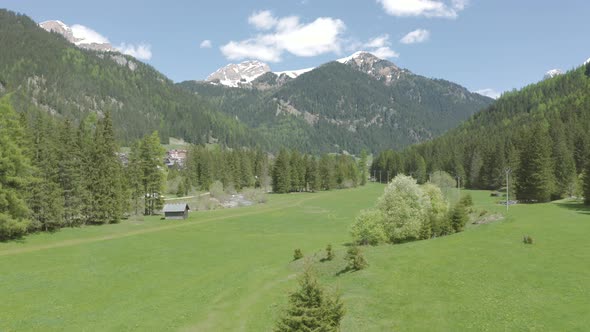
{"x": 20, "y": 239}
{"x": 576, "y": 206}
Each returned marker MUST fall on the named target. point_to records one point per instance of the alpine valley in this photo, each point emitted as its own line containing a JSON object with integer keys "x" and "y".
{"x": 358, "y": 102}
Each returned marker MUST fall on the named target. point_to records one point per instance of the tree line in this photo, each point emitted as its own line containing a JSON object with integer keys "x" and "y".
{"x": 56, "y": 174}
{"x": 538, "y": 137}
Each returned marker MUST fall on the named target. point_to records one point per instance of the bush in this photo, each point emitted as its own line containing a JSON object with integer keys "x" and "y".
{"x": 329, "y": 253}
{"x": 368, "y": 228}
{"x": 297, "y": 254}
{"x": 216, "y": 190}
{"x": 527, "y": 239}
{"x": 356, "y": 260}
{"x": 257, "y": 195}
{"x": 438, "y": 223}
{"x": 405, "y": 209}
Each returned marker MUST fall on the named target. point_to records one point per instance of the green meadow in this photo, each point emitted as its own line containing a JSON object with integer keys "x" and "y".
{"x": 231, "y": 270}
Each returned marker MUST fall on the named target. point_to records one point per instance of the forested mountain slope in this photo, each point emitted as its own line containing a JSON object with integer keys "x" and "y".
{"x": 44, "y": 70}
{"x": 542, "y": 133}
{"x": 367, "y": 103}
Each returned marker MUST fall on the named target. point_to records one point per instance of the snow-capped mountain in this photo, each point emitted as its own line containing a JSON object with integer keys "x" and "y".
{"x": 368, "y": 63}
{"x": 293, "y": 73}
{"x": 587, "y": 61}
{"x": 78, "y": 36}
{"x": 235, "y": 74}
{"x": 552, "y": 73}
{"x": 244, "y": 73}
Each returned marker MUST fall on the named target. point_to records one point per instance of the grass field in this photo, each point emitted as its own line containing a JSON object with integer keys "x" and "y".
{"x": 231, "y": 270}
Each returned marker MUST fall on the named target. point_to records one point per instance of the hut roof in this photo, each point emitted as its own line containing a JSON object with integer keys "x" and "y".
{"x": 175, "y": 207}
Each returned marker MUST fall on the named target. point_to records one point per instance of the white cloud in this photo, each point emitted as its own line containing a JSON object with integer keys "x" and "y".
{"x": 206, "y": 44}
{"x": 427, "y": 8}
{"x": 378, "y": 46}
{"x": 141, "y": 51}
{"x": 262, "y": 20}
{"x": 489, "y": 93}
{"x": 287, "y": 34}
{"x": 86, "y": 35}
{"x": 385, "y": 52}
{"x": 251, "y": 49}
{"x": 416, "y": 36}
{"x": 378, "y": 41}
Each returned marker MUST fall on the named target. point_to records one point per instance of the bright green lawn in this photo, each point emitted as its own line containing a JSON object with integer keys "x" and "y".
{"x": 231, "y": 270}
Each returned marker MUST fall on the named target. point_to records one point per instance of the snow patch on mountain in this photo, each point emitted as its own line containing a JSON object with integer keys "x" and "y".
{"x": 552, "y": 73}
{"x": 294, "y": 73}
{"x": 234, "y": 75}
{"x": 586, "y": 62}
{"x": 79, "y": 35}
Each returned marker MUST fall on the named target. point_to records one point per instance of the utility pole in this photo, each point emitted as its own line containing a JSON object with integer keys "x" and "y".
{"x": 458, "y": 187}
{"x": 508, "y": 170}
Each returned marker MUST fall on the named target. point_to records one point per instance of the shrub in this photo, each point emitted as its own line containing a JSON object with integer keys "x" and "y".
{"x": 297, "y": 254}
{"x": 216, "y": 190}
{"x": 329, "y": 253}
{"x": 527, "y": 239}
{"x": 368, "y": 228}
{"x": 405, "y": 208}
{"x": 438, "y": 223}
{"x": 355, "y": 258}
{"x": 257, "y": 195}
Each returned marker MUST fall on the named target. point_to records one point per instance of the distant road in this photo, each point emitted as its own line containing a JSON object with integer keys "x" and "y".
{"x": 186, "y": 197}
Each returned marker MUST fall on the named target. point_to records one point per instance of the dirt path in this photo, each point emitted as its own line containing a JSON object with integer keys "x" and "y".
{"x": 74, "y": 242}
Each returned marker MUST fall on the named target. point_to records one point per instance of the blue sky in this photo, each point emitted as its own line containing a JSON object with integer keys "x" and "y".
{"x": 481, "y": 44}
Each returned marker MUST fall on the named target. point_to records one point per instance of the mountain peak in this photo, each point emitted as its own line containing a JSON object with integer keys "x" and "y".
{"x": 77, "y": 37}
{"x": 552, "y": 73}
{"x": 235, "y": 74}
{"x": 359, "y": 55}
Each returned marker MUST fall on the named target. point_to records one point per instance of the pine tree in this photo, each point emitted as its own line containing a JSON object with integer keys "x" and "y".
{"x": 312, "y": 174}
{"x": 134, "y": 175}
{"x": 70, "y": 174}
{"x": 281, "y": 173}
{"x": 586, "y": 184}
{"x": 15, "y": 174}
{"x": 363, "y": 167}
{"x": 153, "y": 178}
{"x": 105, "y": 173}
{"x": 311, "y": 308}
{"x": 459, "y": 217}
{"x": 535, "y": 173}
{"x": 46, "y": 199}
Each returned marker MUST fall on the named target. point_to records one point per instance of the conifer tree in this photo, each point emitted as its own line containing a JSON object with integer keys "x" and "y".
{"x": 46, "y": 199}
{"x": 363, "y": 167}
{"x": 311, "y": 308}
{"x": 71, "y": 175}
{"x": 15, "y": 174}
{"x": 281, "y": 174}
{"x": 134, "y": 175}
{"x": 105, "y": 183}
{"x": 152, "y": 166}
{"x": 535, "y": 173}
{"x": 586, "y": 185}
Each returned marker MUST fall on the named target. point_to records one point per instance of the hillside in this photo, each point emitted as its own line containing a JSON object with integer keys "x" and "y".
{"x": 542, "y": 133}
{"x": 354, "y": 103}
{"x": 43, "y": 70}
